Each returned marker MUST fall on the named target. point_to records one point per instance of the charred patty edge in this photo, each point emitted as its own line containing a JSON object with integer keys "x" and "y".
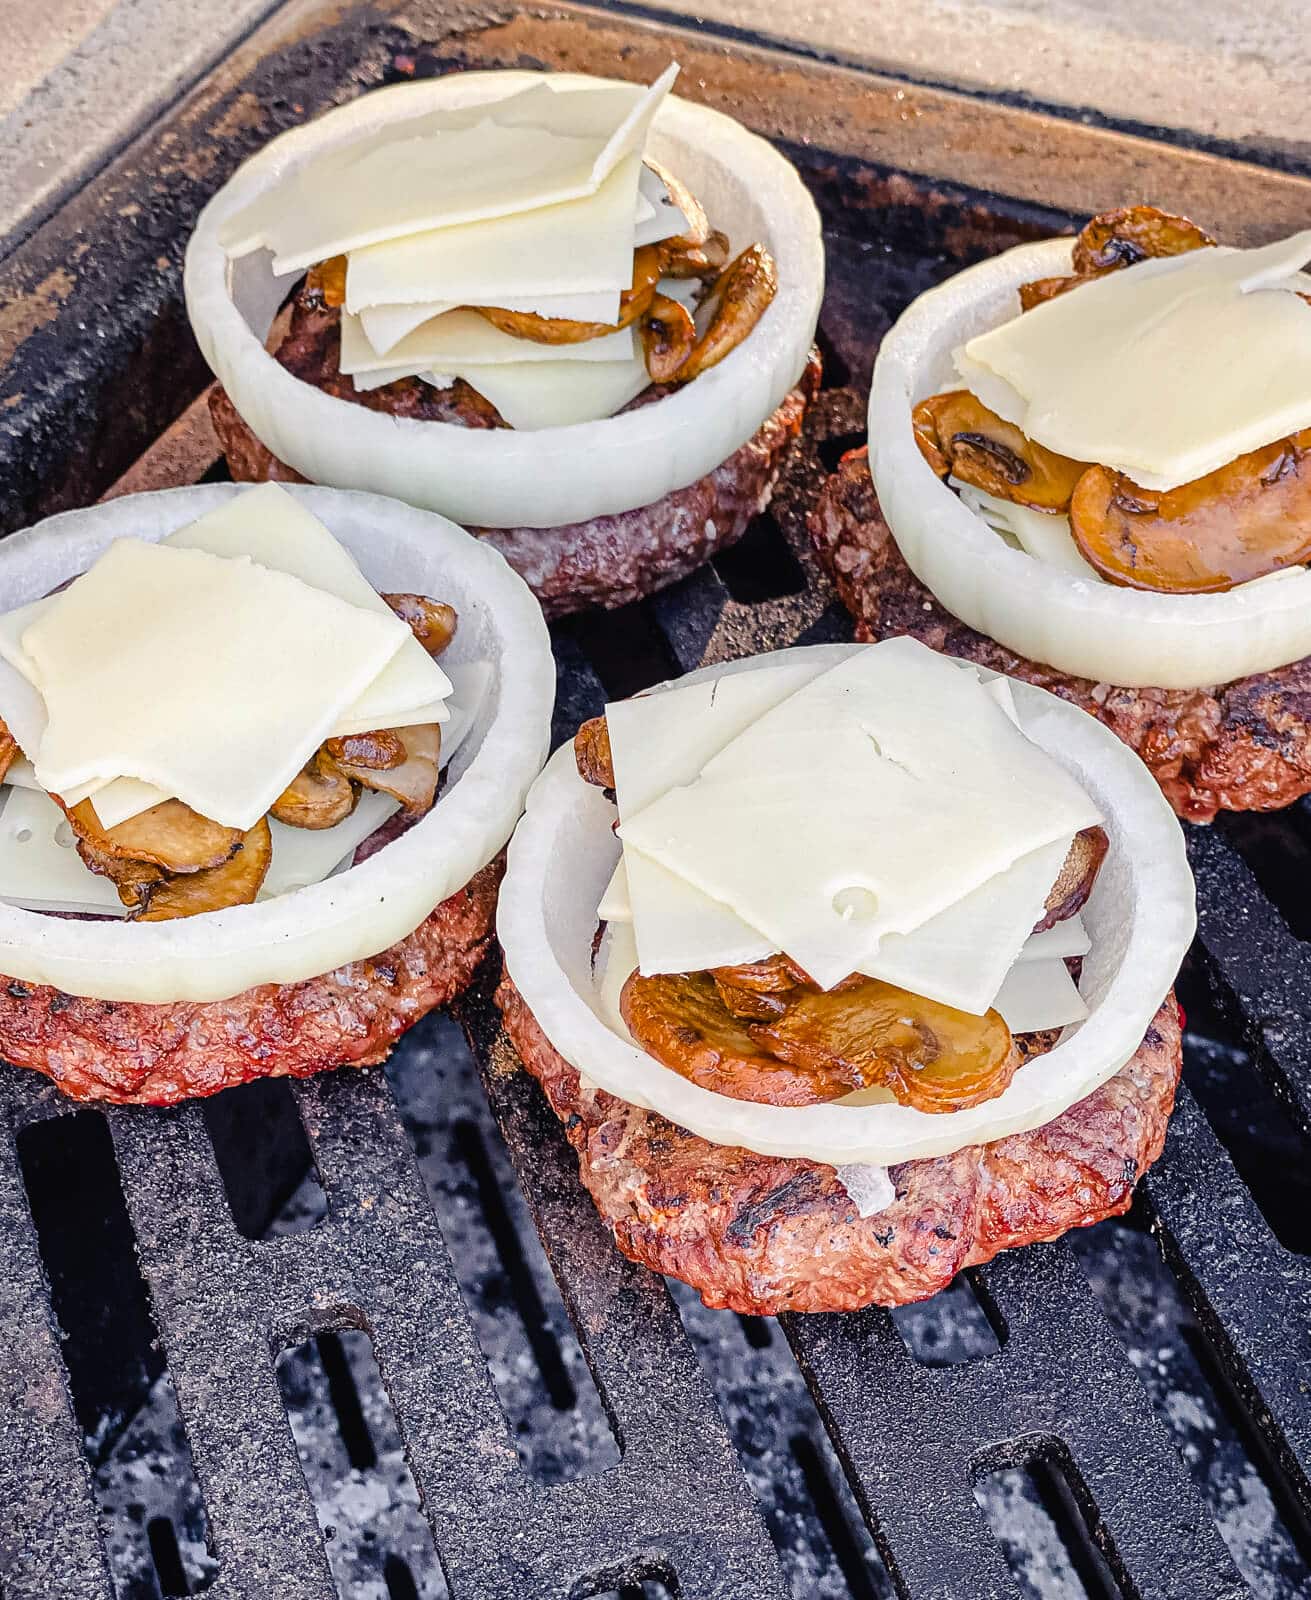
{"x": 1239, "y": 746}
{"x": 129, "y": 1053}
{"x": 763, "y": 1235}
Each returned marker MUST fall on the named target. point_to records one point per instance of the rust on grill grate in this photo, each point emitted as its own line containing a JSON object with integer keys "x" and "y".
{"x": 369, "y": 1278}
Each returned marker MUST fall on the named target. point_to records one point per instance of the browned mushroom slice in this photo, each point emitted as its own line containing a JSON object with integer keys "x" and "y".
{"x": 563, "y": 330}
{"x": 758, "y": 990}
{"x": 432, "y": 623}
{"x": 668, "y": 335}
{"x": 592, "y": 754}
{"x": 1074, "y": 882}
{"x": 678, "y": 259}
{"x": 379, "y": 750}
{"x": 742, "y": 294}
{"x": 327, "y": 282}
{"x": 821, "y": 1045}
{"x": 1040, "y": 290}
{"x": 697, "y": 230}
{"x": 9, "y": 750}
{"x": 414, "y": 782}
{"x": 1116, "y": 239}
{"x": 1246, "y": 519}
{"x": 866, "y": 1032}
{"x": 133, "y": 879}
{"x": 170, "y": 835}
{"x": 235, "y": 883}
{"x": 319, "y": 796}
{"x": 979, "y": 448}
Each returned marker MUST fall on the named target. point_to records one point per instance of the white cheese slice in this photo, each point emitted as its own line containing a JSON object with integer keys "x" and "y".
{"x": 556, "y": 394}
{"x": 123, "y": 798}
{"x": 580, "y": 247}
{"x": 40, "y": 869}
{"x": 656, "y": 742}
{"x": 463, "y": 338}
{"x": 1165, "y": 370}
{"x": 962, "y": 956}
{"x": 281, "y": 533}
{"x": 664, "y": 219}
{"x": 385, "y": 326}
{"x": 1066, "y": 938}
{"x": 264, "y": 695}
{"x": 615, "y": 906}
{"x": 1039, "y": 994}
{"x": 896, "y": 743}
{"x": 447, "y": 167}
{"x": 302, "y": 856}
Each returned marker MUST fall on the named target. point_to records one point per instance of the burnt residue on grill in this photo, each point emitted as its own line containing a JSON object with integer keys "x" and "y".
{"x": 365, "y": 1336}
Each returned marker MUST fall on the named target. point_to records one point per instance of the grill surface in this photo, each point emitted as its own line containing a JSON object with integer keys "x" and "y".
{"x": 575, "y": 1445}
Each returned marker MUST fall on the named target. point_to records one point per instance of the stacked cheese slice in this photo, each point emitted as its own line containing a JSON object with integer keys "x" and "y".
{"x": 208, "y": 668}
{"x": 533, "y": 203}
{"x": 885, "y": 816}
{"x": 1165, "y": 370}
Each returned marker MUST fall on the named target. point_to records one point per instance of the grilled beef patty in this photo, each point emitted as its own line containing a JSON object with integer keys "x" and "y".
{"x": 137, "y": 1054}
{"x": 1241, "y": 746}
{"x": 605, "y": 561}
{"x": 766, "y": 1234}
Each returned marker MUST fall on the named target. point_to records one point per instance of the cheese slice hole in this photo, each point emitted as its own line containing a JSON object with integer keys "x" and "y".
{"x": 856, "y": 904}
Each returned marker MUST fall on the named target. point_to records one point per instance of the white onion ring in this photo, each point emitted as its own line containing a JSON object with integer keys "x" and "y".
{"x": 501, "y": 478}
{"x": 368, "y": 908}
{"x": 1127, "y": 637}
{"x": 1140, "y": 916}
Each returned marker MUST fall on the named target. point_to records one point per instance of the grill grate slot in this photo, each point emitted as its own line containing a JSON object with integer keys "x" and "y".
{"x": 824, "y": 1547}
{"x": 123, "y": 1396}
{"x": 554, "y": 1412}
{"x": 264, "y": 1159}
{"x": 760, "y": 566}
{"x": 1040, "y": 1531}
{"x": 354, "y": 1464}
{"x": 952, "y": 1328}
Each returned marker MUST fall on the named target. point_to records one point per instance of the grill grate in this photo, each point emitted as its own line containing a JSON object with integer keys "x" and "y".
{"x": 370, "y": 1313}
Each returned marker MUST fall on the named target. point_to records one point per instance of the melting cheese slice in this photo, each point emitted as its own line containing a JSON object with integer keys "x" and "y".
{"x": 656, "y": 742}
{"x": 555, "y": 394}
{"x": 463, "y": 338}
{"x": 583, "y": 246}
{"x": 450, "y": 166}
{"x": 1039, "y": 994}
{"x": 385, "y": 326}
{"x": 1067, "y": 938}
{"x": 256, "y": 700}
{"x": 40, "y": 869}
{"x": 1165, "y": 370}
{"x": 787, "y": 825}
{"x": 665, "y": 219}
{"x": 281, "y": 533}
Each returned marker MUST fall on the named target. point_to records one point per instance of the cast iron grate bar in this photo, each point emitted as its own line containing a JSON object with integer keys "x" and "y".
{"x": 357, "y": 1242}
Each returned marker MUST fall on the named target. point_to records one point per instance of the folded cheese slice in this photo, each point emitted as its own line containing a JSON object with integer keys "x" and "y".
{"x": 556, "y": 394}
{"x": 234, "y": 712}
{"x": 1165, "y": 370}
{"x": 582, "y": 246}
{"x": 385, "y": 326}
{"x": 788, "y": 824}
{"x": 447, "y": 167}
{"x": 463, "y": 338}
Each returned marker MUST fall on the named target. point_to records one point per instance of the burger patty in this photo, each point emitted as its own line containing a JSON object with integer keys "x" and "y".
{"x": 1240, "y": 746}
{"x": 766, "y": 1234}
{"x": 138, "y": 1054}
{"x": 607, "y": 560}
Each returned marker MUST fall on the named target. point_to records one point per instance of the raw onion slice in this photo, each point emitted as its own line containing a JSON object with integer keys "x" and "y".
{"x": 502, "y": 478}
{"x": 1140, "y": 917}
{"x": 1127, "y": 637}
{"x": 369, "y": 907}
